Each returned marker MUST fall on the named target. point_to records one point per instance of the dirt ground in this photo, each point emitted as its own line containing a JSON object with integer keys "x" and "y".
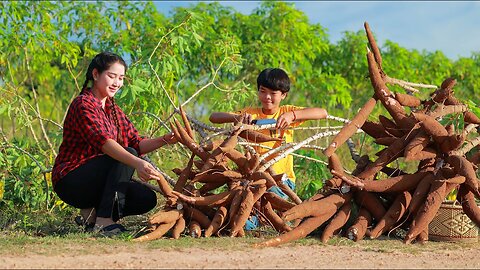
{"x": 357, "y": 255}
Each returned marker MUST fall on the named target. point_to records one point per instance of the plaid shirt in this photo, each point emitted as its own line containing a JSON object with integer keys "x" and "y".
{"x": 86, "y": 129}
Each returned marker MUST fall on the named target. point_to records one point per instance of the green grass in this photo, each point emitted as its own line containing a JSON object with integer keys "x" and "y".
{"x": 45, "y": 233}
{"x": 83, "y": 243}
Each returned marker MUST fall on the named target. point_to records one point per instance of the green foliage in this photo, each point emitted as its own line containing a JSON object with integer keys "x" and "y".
{"x": 206, "y": 54}
{"x": 347, "y": 60}
{"x": 311, "y": 175}
{"x": 24, "y": 179}
{"x": 473, "y": 107}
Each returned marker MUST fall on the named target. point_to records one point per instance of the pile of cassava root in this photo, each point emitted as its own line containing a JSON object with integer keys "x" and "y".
{"x": 409, "y": 200}
{"x": 224, "y": 213}
{"x": 414, "y": 133}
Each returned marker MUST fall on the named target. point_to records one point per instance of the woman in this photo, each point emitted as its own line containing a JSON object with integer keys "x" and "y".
{"x": 100, "y": 150}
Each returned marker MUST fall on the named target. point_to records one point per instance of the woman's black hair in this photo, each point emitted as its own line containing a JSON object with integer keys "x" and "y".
{"x": 102, "y": 62}
{"x": 274, "y": 79}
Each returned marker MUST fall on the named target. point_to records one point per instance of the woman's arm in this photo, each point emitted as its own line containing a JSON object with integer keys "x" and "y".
{"x": 145, "y": 170}
{"x": 148, "y": 145}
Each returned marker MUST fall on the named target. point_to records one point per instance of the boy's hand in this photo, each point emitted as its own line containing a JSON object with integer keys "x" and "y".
{"x": 285, "y": 120}
{"x": 246, "y": 118}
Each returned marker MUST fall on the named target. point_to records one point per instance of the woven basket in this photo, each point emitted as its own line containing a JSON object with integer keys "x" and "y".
{"x": 452, "y": 225}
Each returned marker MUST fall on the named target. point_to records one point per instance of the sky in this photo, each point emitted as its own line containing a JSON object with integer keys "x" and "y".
{"x": 452, "y": 27}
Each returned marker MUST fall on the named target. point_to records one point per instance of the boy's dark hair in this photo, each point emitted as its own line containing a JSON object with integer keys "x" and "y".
{"x": 275, "y": 79}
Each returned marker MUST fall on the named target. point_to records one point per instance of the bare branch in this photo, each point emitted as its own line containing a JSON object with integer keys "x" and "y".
{"x": 408, "y": 85}
{"x": 37, "y": 107}
{"x": 295, "y": 147}
{"x": 44, "y": 170}
{"x": 467, "y": 147}
{"x": 155, "y": 50}
{"x": 339, "y": 119}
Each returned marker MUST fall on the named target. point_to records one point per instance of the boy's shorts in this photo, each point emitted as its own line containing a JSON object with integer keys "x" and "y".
{"x": 252, "y": 221}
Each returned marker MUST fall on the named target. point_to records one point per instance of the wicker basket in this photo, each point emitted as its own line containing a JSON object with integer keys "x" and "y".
{"x": 452, "y": 225}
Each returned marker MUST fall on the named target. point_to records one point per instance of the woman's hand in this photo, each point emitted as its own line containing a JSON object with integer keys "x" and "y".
{"x": 146, "y": 171}
{"x": 169, "y": 139}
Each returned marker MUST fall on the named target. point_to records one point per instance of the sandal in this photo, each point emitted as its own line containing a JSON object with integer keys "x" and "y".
{"x": 81, "y": 222}
{"x": 110, "y": 230}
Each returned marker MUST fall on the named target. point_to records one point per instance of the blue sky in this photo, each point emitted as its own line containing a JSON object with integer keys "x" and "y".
{"x": 452, "y": 27}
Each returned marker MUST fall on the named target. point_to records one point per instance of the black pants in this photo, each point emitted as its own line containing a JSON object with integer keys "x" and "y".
{"x": 105, "y": 184}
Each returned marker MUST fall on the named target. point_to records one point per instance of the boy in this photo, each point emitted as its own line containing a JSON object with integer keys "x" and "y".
{"x": 273, "y": 85}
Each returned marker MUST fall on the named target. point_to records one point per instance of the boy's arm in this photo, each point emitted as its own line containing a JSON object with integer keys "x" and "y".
{"x": 300, "y": 115}
{"x": 223, "y": 117}
{"x": 310, "y": 114}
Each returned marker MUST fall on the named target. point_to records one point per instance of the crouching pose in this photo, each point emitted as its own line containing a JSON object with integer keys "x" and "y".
{"x": 100, "y": 152}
